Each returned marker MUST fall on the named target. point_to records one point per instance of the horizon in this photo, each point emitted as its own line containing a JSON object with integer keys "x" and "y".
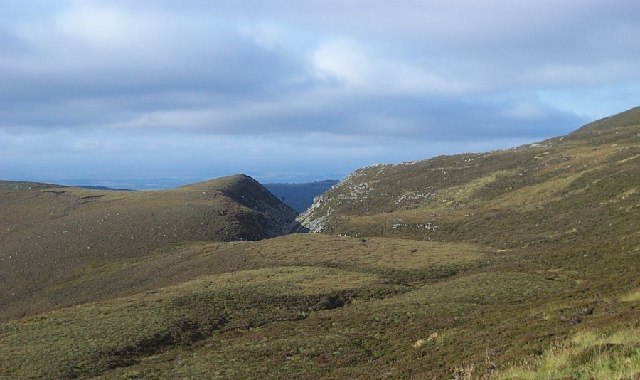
{"x": 160, "y": 183}
{"x": 142, "y": 184}
{"x": 159, "y": 91}
{"x": 164, "y": 183}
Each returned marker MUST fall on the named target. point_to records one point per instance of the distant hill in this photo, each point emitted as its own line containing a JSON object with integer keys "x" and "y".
{"x": 91, "y": 187}
{"x": 50, "y": 234}
{"x": 126, "y": 183}
{"x": 299, "y": 195}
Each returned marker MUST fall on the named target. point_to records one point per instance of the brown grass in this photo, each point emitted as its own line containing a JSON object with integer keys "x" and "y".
{"x": 530, "y": 255}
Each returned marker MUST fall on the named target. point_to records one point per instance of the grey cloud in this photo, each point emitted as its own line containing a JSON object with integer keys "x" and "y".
{"x": 85, "y": 155}
{"x": 359, "y": 73}
{"x": 240, "y": 68}
{"x": 431, "y": 118}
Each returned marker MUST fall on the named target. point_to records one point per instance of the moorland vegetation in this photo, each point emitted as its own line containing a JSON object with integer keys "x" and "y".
{"x": 514, "y": 264}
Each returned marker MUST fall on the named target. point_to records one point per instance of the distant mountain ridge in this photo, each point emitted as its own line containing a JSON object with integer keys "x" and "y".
{"x": 300, "y": 195}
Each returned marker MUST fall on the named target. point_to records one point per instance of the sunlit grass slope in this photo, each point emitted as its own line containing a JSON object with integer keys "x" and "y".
{"x": 584, "y": 185}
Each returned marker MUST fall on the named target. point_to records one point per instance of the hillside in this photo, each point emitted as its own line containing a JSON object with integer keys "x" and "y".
{"x": 51, "y": 234}
{"x": 582, "y": 186}
{"x": 515, "y": 264}
{"x": 299, "y": 195}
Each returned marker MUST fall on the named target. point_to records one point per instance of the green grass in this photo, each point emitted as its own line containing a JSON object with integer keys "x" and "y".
{"x": 588, "y": 355}
{"x": 316, "y": 306}
{"x": 313, "y": 306}
{"x": 511, "y": 264}
{"x": 93, "y": 338}
{"x": 633, "y": 296}
{"x": 51, "y": 236}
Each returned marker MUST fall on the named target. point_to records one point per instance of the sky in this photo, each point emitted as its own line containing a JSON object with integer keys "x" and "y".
{"x": 295, "y": 91}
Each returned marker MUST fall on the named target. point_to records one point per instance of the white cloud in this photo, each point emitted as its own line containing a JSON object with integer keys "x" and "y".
{"x": 99, "y": 26}
{"x": 267, "y": 35}
{"x": 94, "y": 76}
{"x": 341, "y": 60}
{"x": 359, "y": 69}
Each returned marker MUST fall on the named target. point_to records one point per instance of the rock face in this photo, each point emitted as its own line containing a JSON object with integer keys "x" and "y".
{"x": 354, "y": 188}
{"x": 309, "y": 219}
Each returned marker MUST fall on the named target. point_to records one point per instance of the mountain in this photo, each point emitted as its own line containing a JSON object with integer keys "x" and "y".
{"x": 51, "y": 234}
{"x": 513, "y": 264}
{"x": 299, "y": 195}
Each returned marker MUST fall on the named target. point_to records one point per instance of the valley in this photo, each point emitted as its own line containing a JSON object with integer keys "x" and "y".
{"x": 470, "y": 266}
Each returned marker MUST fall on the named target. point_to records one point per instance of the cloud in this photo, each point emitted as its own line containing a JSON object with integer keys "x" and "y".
{"x": 179, "y": 158}
{"x": 259, "y": 78}
{"x": 98, "y": 51}
{"x": 347, "y": 64}
{"x": 584, "y": 73}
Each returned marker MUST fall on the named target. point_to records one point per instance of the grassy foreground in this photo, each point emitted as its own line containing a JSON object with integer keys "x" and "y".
{"x": 317, "y": 306}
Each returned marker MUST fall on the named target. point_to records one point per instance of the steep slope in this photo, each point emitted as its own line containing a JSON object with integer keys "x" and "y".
{"x": 582, "y": 186}
{"x": 50, "y": 235}
{"x": 278, "y": 217}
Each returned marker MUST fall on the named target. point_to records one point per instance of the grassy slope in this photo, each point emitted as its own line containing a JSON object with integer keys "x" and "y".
{"x": 52, "y": 236}
{"x": 313, "y": 306}
{"x": 517, "y": 264}
{"x": 567, "y": 205}
{"x": 592, "y": 172}
{"x": 298, "y": 291}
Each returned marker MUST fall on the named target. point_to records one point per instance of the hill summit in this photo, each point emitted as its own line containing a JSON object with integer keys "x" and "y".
{"x": 279, "y": 218}
{"x": 51, "y": 233}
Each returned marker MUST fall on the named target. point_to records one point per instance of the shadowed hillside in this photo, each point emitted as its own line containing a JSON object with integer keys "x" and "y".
{"x": 51, "y": 234}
